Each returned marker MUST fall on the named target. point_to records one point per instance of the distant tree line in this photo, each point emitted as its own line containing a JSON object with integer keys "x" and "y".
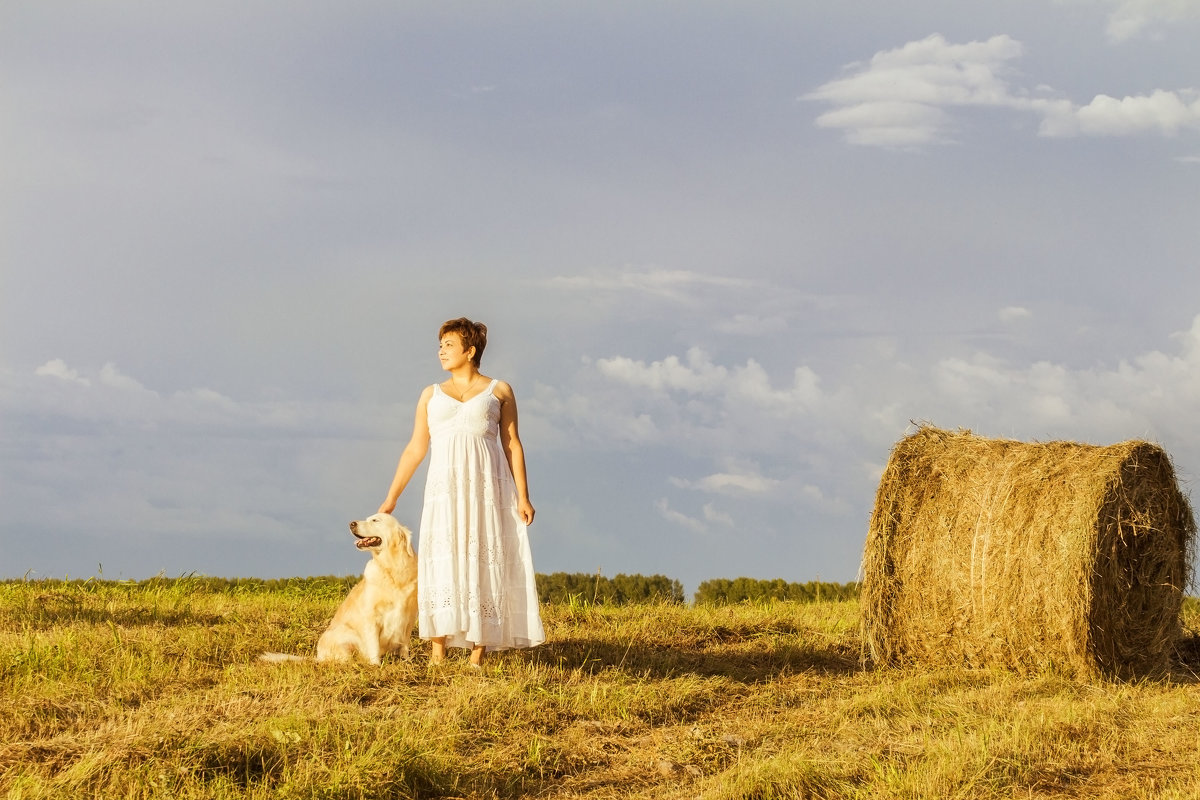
{"x": 326, "y": 583}
{"x": 722, "y": 590}
{"x": 558, "y": 587}
{"x": 207, "y": 583}
{"x": 562, "y": 587}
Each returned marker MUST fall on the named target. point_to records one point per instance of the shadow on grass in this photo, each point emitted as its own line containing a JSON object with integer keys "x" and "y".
{"x": 748, "y": 665}
{"x": 1187, "y": 659}
{"x": 52, "y": 616}
{"x": 665, "y": 660}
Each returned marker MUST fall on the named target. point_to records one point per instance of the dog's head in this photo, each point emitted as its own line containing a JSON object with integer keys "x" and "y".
{"x": 382, "y": 535}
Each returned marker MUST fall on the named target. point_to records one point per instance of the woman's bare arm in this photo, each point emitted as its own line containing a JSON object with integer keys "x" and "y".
{"x": 510, "y": 440}
{"x": 413, "y": 454}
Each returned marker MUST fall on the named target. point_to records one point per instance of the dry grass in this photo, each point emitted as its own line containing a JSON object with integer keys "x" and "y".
{"x": 1030, "y": 555}
{"x": 153, "y": 691}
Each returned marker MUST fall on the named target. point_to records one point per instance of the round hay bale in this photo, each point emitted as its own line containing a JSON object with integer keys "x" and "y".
{"x": 1059, "y": 555}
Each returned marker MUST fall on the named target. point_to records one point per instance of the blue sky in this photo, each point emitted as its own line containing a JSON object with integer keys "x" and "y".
{"x": 727, "y": 252}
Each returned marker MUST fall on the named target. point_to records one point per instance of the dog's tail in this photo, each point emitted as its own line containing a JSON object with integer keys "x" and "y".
{"x": 282, "y": 658}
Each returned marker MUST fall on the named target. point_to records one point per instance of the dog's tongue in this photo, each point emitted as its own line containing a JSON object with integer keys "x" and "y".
{"x": 370, "y": 541}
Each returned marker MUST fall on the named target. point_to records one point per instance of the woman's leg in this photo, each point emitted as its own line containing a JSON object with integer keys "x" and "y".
{"x": 477, "y": 654}
{"x": 439, "y": 650}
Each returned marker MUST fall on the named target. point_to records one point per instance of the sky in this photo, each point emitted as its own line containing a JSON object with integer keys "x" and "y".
{"x": 728, "y": 254}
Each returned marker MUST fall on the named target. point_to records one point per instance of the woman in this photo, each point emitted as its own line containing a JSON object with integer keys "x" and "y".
{"x": 475, "y": 583}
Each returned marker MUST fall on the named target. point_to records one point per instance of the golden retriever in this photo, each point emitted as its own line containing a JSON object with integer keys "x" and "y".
{"x": 377, "y": 616}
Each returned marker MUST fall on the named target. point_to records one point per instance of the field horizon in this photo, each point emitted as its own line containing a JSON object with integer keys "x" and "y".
{"x": 154, "y": 690}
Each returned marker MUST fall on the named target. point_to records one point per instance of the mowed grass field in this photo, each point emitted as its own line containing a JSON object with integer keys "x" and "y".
{"x": 114, "y": 690}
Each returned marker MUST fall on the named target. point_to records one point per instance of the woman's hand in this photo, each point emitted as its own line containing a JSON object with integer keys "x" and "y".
{"x": 525, "y": 511}
{"x": 387, "y": 507}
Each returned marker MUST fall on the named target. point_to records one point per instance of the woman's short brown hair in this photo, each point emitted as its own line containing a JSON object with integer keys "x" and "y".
{"x": 473, "y": 334}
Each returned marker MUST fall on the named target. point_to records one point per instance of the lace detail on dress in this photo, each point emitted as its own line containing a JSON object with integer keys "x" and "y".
{"x": 493, "y": 490}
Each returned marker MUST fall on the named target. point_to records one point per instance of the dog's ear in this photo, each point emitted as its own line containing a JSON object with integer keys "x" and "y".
{"x": 402, "y": 540}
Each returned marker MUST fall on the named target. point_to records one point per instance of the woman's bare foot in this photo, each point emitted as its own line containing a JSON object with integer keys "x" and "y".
{"x": 438, "y": 652}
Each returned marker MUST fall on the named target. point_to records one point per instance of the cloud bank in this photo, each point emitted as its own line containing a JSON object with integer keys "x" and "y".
{"x": 1133, "y": 18}
{"x": 908, "y": 98}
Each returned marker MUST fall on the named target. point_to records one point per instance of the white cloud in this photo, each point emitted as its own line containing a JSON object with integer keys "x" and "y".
{"x": 695, "y": 398}
{"x": 899, "y": 98}
{"x": 1132, "y": 18}
{"x": 815, "y": 497}
{"x": 57, "y": 368}
{"x": 1190, "y": 341}
{"x": 885, "y": 123}
{"x": 1161, "y": 112}
{"x": 740, "y": 483}
{"x": 119, "y": 399}
{"x": 751, "y": 325}
{"x": 1010, "y": 313}
{"x": 673, "y": 284}
{"x": 978, "y": 383}
{"x": 1165, "y": 113}
{"x": 817, "y": 440}
{"x": 1149, "y": 393}
{"x": 713, "y": 515}
{"x": 678, "y": 518}
{"x": 903, "y": 97}
{"x": 207, "y": 398}
{"x": 188, "y": 466}
{"x": 114, "y": 378}
{"x": 752, "y": 384}
{"x": 695, "y": 373}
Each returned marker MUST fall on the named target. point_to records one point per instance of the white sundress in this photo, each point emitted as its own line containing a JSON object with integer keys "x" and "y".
{"x": 475, "y": 582}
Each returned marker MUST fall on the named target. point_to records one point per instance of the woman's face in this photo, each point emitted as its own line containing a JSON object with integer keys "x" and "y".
{"x": 451, "y": 353}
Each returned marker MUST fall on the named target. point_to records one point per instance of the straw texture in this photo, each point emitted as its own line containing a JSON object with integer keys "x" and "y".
{"x": 1055, "y": 555}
